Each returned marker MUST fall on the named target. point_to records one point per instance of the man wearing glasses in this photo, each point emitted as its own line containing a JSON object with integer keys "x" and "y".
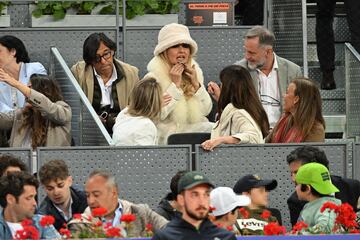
{"x": 106, "y": 81}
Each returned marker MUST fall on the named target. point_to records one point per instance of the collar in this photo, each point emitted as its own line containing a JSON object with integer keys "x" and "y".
{"x": 111, "y": 80}
{"x": 118, "y": 212}
{"x": 275, "y": 65}
{"x": 69, "y": 210}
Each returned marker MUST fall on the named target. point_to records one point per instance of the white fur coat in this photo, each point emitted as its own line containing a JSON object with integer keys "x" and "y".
{"x": 181, "y": 114}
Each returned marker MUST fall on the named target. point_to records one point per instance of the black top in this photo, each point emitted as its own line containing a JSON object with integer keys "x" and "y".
{"x": 179, "y": 229}
{"x": 165, "y": 209}
{"x": 349, "y": 193}
{"x": 79, "y": 204}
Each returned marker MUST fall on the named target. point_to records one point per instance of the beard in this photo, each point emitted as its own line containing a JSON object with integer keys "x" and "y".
{"x": 256, "y": 65}
{"x": 197, "y": 215}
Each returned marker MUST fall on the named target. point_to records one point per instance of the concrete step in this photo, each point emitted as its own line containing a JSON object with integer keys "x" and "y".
{"x": 333, "y": 101}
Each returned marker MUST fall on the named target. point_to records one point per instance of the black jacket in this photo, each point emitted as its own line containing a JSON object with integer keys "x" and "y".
{"x": 165, "y": 209}
{"x": 79, "y": 203}
{"x": 349, "y": 193}
{"x": 179, "y": 229}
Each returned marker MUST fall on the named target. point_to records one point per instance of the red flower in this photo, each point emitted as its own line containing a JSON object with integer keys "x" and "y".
{"x": 274, "y": 228}
{"x": 219, "y": 225}
{"x": 98, "y": 224}
{"x": 65, "y": 232}
{"x": 47, "y": 221}
{"x": 77, "y": 216}
{"x": 244, "y": 213}
{"x": 99, "y": 212}
{"x": 211, "y": 209}
{"x": 113, "y": 232}
{"x": 149, "y": 227}
{"x": 28, "y": 232}
{"x": 329, "y": 205}
{"x": 26, "y": 222}
{"x": 354, "y": 231}
{"x": 265, "y": 214}
{"x": 107, "y": 225}
{"x": 346, "y": 216}
{"x": 128, "y": 218}
{"x": 298, "y": 227}
{"x": 230, "y": 228}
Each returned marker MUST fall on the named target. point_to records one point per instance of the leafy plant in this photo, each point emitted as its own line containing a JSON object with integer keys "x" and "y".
{"x": 133, "y": 7}
{"x": 3, "y": 5}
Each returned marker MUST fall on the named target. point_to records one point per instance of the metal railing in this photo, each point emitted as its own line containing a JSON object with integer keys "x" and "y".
{"x": 87, "y": 128}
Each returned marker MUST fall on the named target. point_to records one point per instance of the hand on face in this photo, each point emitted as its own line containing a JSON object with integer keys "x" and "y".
{"x": 166, "y": 99}
{"x": 214, "y": 90}
{"x": 5, "y": 77}
{"x": 190, "y": 72}
{"x": 176, "y": 72}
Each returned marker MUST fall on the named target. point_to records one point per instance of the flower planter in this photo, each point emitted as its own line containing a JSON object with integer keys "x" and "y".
{"x": 4, "y": 18}
{"x": 103, "y": 21}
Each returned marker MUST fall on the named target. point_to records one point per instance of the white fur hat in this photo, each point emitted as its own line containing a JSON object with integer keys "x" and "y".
{"x": 173, "y": 34}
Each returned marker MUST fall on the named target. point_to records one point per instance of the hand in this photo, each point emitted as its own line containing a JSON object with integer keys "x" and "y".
{"x": 5, "y": 77}
{"x": 190, "y": 72}
{"x": 214, "y": 90}
{"x": 176, "y": 72}
{"x": 209, "y": 145}
{"x": 166, "y": 99}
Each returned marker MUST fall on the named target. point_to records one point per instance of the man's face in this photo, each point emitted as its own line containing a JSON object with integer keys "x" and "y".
{"x": 59, "y": 190}
{"x": 294, "y": 167}
{"x": 100, "y": 194}
{"x": 11, "y": 169}
{"x": 196, "y": 202}
{"x": 105, "y": 55}
{"x": 25, "y": 206}
{"x": 255, "y": 54}
{"x": 259, "y": 196}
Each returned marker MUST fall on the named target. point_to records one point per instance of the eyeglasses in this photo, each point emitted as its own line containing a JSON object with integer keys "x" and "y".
{"x": 269, "y": 101}
{"x": 105, "y": 56}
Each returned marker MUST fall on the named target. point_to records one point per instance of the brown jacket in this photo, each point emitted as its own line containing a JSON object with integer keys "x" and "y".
{"x": 58, "y": 112}
{"x": 84, "y": 74}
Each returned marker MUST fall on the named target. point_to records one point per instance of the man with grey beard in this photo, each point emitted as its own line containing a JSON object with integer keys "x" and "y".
{"x": 271, "y": 74}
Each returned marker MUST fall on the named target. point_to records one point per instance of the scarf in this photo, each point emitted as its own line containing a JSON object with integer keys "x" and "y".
{"x": 285, "y": 132}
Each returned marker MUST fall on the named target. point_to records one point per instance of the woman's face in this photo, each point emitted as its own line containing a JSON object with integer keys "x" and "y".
{"x": 178, "y": 54}
{"x": 6, "y": 57}
{"x": 290, "y": 100}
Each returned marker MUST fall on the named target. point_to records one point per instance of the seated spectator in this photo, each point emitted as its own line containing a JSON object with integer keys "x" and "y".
{"x": 302, "y": 120}
{"x": 242, "y": 118}
{"x": 169, "y": 206}
{"x": 106, "y": 81}
{"x": 349, "y": 188}
{"x": 10, "y": 163}
{"x": 17, "y": 198}
{"x": 102, "y": 191}
{"x": 14, "y": 61}
{"x": 194, "y": 198}
{"x": 44, "y": 121}
{"x": 226, "y": 206}
{"x": 62, "y": 201}
{"x": 255, "y": 216}
{"x": 313, "y": 184}
{"x": 182, "y": 80}
{"x": 135, "y": 125}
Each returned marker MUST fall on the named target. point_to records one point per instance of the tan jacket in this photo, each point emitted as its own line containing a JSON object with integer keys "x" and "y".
{"x": 239, "y": 124}
{"x": 144, "y": 215}
{"x": 58, "y": 112}
{"x": 84, "y": 74}
{"x": 181, "y": 114}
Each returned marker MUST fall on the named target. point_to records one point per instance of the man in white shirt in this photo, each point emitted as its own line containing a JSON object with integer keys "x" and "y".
{"x": 271, "y": 74}
{"x": 17, "y": 197}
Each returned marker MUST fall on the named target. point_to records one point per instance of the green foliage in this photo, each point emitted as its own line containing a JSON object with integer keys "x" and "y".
{"x": 133, "y": 7}
{"x": 3, "y": 6}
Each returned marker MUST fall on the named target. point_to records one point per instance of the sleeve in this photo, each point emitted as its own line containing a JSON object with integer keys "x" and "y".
{"x": 242, "y": 128}
{"x": 50, "y": 232}
{"x": 176, "y": 95}
{"x": 7, "y": 120}
{"x": 157, "y": 221}
{"x": 58, "y": 112}
{"x": 205, "y": 100}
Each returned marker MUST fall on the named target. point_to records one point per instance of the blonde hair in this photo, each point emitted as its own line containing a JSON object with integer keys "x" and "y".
{"x": 186, "y": 84}
{"x": 146, "y": 99}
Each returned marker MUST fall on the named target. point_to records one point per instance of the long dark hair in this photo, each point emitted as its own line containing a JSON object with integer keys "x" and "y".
{"x": 11, "y": 42}
{"x": 237, "y": 88}
{"x": 33, "y": 118}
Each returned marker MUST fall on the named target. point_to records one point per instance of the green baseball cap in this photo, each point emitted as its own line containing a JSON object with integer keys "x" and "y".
{"x": 317, "y": 176}
{"x": 192, "y": 179}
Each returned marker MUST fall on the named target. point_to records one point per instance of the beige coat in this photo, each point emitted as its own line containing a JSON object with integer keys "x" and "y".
{"x": 58, "y": 112}
{"x": 84, "y": 74}
{"x": 143, "y": 213}
{"x": 181, "y": 114}
{"x": 239, "y": 124}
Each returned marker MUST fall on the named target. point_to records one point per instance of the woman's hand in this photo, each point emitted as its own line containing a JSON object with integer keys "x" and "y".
{"x": 209, "y": 145}
{"x": 166, "y": 99}
{"x": 5, "y": 77}
{"x": 190, "y": 72}
{"x": 175, "y": 74}
{"x": 214, "y": 90}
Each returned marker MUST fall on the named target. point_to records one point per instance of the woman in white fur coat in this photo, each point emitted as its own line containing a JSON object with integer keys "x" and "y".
{"x": 186, "y": 101}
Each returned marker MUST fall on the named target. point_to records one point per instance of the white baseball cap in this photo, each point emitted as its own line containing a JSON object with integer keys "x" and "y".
{"x": 224, "y": 200}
